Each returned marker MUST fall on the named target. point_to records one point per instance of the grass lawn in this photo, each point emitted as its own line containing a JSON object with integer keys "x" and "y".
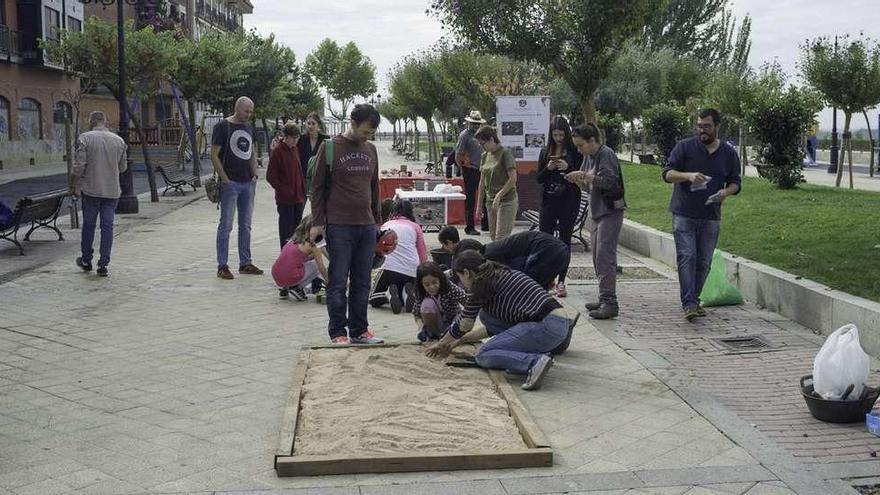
{"x": 423, "y": 146}
{"x": 828, "y": 235}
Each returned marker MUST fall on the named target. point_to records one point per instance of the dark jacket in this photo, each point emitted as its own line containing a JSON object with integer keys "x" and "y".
{"x": 285, "y": 175}
{"x": 304, "y": 146}
{"x": 550, "y": 179}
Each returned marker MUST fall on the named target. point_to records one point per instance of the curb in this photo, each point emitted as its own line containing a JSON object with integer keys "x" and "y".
{"x": 811, "y": 304}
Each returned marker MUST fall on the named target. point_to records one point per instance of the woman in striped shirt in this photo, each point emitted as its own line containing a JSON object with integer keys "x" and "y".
{"x": 526, "y": 323}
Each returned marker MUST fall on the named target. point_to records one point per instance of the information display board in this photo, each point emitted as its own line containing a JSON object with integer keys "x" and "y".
{"x": 523, "y": 123}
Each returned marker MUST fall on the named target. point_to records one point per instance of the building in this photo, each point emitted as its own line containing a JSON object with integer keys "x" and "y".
{"x": 35, "y": 94}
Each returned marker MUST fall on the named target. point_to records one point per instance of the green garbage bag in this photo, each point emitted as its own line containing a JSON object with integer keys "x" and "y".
{"x": 718, "y": 291}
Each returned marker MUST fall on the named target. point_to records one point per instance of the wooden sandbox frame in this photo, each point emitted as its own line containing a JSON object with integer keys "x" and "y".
{"x": 536, "y": 454}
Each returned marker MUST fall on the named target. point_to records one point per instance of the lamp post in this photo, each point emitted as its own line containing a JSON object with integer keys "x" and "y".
{"x": 835, "y": 148}
{"x": 128, "y": 202}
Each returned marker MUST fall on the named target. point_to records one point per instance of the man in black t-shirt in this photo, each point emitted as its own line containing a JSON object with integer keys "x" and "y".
{"x": 235, "y": 163}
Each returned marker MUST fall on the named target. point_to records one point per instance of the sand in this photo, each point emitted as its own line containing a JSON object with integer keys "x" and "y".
{"x": 396, "y": 400}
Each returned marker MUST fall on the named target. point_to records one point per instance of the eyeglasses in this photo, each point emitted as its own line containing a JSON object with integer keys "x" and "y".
{"x": 311, "y": 122}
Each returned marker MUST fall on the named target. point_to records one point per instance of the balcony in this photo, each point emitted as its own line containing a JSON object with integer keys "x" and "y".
{"x": 11, "y": 42}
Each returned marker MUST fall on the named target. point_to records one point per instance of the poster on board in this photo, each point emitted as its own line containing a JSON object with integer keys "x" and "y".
{"x": 522, "y": 123}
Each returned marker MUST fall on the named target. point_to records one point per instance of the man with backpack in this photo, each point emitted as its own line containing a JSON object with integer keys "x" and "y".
{"x": 235, "y": 163}
{"x": 345, "y": 210}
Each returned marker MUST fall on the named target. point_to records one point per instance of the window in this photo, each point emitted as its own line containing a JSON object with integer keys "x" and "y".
{"x": 74, "y": 25}
{"x": 52, "y": 24}
{"x": 5, "y": 128}
{"x": 62, "y": 113}
{"x": 30, "y": 123}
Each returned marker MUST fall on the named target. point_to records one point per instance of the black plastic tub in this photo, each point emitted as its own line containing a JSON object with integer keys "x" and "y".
{"x": 442, "y": 257}
{"x": 838, "y": 411}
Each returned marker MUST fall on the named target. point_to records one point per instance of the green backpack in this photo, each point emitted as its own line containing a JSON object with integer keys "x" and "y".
{"x": 328, "y": 159}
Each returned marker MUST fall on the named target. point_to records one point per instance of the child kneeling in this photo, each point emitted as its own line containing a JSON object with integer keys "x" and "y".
{"x": 300, "y": 262}
{"x": 438, "y": 302}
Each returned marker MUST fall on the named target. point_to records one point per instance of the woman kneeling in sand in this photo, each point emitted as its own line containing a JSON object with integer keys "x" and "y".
{"x": 525, "y": 322}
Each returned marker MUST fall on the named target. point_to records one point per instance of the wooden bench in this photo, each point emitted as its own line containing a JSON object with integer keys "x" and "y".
{"x": 648, "y": 159}
{"x": 176, "y": 179}
{"x": 534, "y": 219}
{"x": 40, "y": 210}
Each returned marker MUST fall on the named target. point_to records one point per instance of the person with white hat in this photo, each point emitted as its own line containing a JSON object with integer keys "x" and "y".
{"x": 467, "y": 156}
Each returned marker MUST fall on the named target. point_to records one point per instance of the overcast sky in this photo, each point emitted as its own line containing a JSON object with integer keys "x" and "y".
{"x": 387, "y": 30}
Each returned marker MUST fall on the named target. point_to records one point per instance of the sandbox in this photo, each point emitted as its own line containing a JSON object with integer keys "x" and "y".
{"x": 388, "y": 408}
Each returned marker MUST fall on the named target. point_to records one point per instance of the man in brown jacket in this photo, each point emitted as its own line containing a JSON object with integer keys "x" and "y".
{"x": 345, "y": 209}
{"x": 100, "y": 158}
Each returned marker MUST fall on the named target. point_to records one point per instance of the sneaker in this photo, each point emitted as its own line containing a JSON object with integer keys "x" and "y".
{"x": 605, "y": 312}
{"x": 537, "y": 373}
{"x": 701, "y": 311}
{"x": 409, "y": 292}
{"x": 341, "y": 340}
{"x": 690, "y": 314}
{"x": 593, "y": 306}
{"x": 298, "y": 293}
{"x": 282, "y": 294}
{"x": 565, "y": 343}
{"x": 471, "y": 231}
{"x": 103, "y": 271}
{"x": 224, "y": 273}
{"x": 394, "y": 298}
{"x": 560, "y": 290}
{"x": 366, "y": 338}
{"x": 249, "y": 269}
{"x": 86, "y": 267}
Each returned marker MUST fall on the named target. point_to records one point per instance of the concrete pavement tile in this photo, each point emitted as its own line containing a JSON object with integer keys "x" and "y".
{"x": 700, "y": 490}
{"x": 45, "y": 487}
{"x": 660, "y": 490}
{"x": 732, "y": 488}
{"x": 338, "y": 490}
{"x": 769, "y": 489}
{"x": 211, "y": 479}
{"x": 484, "y": 487}
{"x": 22, "y": 477}
{"x": 83, "y": 478}
{"x": 110, "y": 487}
{"x": 571, "y": 483}
{"x": 704, "y": 476}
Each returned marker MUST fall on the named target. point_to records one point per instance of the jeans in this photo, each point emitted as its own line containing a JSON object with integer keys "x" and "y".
{"x": 235, "y": 196}
{"x": 350, "y": 249}
{"x": 91, "y": 207}
{"x": 289, "y": 217}
{"x": 517, "y": 348}
{"x": 471, "y": 177}
{"x": 695, "y": 241}
{"x": 604, "y": 235}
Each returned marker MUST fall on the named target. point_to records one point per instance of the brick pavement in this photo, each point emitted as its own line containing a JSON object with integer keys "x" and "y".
{"x": 164, "y": 379}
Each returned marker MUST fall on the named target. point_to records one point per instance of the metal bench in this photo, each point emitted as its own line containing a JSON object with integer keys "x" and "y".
{"x": 176, "y": 179}
{"x": 40, "y": 210}
{"x": 534, "y": 219}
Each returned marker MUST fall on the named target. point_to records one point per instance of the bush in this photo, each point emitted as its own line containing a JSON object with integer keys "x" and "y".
{"x": 779, "y": 121}
{"x": 667, "y": 123}
{"x": 612, "y": 126}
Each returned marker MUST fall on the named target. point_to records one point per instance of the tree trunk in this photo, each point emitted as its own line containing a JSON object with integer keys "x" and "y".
{"x": 871, "y": 139}
{"x": 191, "y": 131}
{"x": 849, "y": 152}
{"x": 632, "y": 141}
{"x": 846, "y": 121}
{"x": 589, "y": 109}
{"x": 742, "y": 150}
{"x": 151, "y": 178}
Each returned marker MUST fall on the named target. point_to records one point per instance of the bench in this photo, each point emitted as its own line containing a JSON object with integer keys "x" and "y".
{"x": 409, "y": 153}
{"x": 40, "y": 210}
{"x": 534, "y": 219}
{"x": 648, "y": 159}
{"x": 176, "y": 179}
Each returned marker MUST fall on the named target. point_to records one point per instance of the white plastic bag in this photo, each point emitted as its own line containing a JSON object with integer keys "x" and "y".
{"x": 840, "y": 363}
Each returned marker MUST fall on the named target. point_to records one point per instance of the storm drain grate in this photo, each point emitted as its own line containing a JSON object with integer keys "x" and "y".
{"x": 745, "y": 343}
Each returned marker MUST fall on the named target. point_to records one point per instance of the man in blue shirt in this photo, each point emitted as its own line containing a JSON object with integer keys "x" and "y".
{"x": 705, "y": 172}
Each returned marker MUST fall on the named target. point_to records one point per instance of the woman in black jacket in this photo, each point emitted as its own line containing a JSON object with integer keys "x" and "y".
{"x": 560, "y": 199}
{"x": 311, "y": 139}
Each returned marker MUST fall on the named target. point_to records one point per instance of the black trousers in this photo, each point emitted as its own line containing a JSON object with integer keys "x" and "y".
{"x": 559, "y": 216}
{"x": 471, "y": 178}
{"x": 544, "y": 264}
{"x": 378, "y": 296}
{"x": 289, "y": 217}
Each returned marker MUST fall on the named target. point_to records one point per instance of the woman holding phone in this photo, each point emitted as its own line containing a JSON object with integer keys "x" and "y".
{"x": 560, "y": 198}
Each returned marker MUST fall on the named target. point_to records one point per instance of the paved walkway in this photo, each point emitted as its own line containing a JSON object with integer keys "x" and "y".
{"x": 164, "y": 379}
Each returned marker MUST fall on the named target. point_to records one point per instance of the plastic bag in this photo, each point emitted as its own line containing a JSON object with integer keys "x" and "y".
{"x": 717, "y": 291}
{"x": 840, "y": 363}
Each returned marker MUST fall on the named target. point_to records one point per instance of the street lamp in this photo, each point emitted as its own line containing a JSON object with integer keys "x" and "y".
{"x": 835, "y": 148}
{"x": 128, "y": 202}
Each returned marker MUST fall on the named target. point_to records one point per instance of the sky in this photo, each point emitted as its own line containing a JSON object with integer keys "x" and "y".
{"x": 388, "y": 30}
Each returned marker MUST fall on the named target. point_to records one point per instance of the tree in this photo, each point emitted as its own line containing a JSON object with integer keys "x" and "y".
{"x": 732, "y": 94}
{"x": 344, "y": 72}
{"x": 303, "y": 95}
{"x": 576, "y": 39}
{"x": 779, "y": 118}
{"x": 845, "y": 77}
{"x": 149, "y": 58}
{"x": 197, "y": 77}
{"x": 667, "y": 123}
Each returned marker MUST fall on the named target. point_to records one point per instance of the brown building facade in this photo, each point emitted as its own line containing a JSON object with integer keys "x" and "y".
{"x": 35, "y": 94}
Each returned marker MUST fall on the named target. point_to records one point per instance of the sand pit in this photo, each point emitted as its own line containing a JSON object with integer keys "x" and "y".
{"x": 396, "y": 400}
